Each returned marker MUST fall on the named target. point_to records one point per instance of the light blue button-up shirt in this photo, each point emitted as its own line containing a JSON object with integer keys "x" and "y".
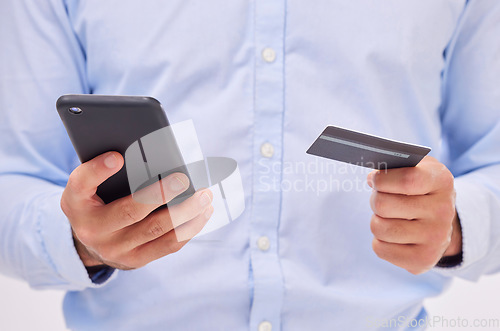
{"x": 300, "y": 256}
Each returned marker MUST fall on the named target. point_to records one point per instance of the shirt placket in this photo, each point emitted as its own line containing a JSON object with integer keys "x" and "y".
{"x": 267, "y": 158}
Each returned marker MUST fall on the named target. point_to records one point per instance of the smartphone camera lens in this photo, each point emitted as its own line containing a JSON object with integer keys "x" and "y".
{"x": 75, "y": 110}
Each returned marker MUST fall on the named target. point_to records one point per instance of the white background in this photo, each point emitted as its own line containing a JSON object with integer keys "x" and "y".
{"x": 24, "y": 309}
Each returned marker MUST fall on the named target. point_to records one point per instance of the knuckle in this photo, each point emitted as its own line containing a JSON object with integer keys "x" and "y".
{"x": 409, "y": 179}
{"x": 446, "y": 176}
{"x": 376, "y": 226}
{"x": 75, "y": 182}
{"x": 443, "y": 177}
{"x": 377, "y": 248}
{"x": 379, "y": 204}
{"x": 156, "y": 228}
{"x": 376, "y": 179}
{"x": 128, "y": 211}
{"x": 66, "y": 206}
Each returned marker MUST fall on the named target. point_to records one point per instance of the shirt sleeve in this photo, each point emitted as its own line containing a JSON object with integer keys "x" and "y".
{"x": 40, "y": 59}
{"x": 471, "y": 130}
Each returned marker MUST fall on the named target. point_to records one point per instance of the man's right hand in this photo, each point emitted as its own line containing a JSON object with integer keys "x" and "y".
{"x": 124, "y": 234}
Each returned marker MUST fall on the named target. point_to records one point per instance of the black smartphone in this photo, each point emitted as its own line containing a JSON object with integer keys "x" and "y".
{"x": 100, "y": 123}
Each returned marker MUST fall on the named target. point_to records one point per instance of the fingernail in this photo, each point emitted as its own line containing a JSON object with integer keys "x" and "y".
{"x": 209, "y": 212}
{"x": 110, "y": 161}
{"x": 175, "y": 184}
{"x": 205, "y": 199}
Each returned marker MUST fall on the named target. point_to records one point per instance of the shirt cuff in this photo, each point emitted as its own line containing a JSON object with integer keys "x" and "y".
{"x": 57, "y": 241}
{"x": 472, "y": 204}
{"x": 100, "y": 273}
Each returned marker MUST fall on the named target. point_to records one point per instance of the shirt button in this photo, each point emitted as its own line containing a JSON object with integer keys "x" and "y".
{"x": 265, "y": 326}
{"x": 267, "y": 150}
{"x": 263, "y": 243}
{"x": 268, "y": 54}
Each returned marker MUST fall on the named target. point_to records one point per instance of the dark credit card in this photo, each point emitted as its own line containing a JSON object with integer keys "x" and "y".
{"x": 366, "y": 150}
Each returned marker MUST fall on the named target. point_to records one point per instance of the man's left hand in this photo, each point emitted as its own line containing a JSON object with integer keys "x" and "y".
{"x": 414, "y": 220}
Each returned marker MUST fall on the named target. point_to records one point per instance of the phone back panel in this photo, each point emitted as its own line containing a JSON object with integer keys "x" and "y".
{"x": 112, "y": 123}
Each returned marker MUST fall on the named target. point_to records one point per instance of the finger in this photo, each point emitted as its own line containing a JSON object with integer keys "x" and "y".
{"x": 171, "y": 242}
{"x": 83, "y": 181}
{"x": 409, "y": 207}
{"x": 428, "y": 176}
{"x": 414, "y": 258}
{"x": 187, "y": 231}
{"x": 191, "y": 207}
{"x": 163, "y": 191}
{"x": 126, "y": 211}
{"x": 397, "y": 231}
{"x": 161, "y": 222}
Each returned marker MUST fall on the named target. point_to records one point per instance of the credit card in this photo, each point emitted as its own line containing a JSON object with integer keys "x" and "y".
{"x": 366, "y": 150}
